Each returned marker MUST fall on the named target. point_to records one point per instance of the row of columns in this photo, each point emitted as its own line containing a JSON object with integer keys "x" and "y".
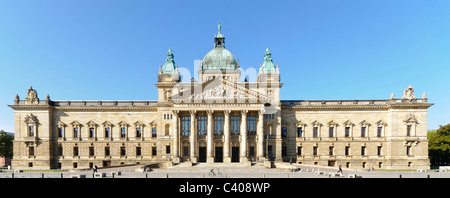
{"x": 210, "y": 136}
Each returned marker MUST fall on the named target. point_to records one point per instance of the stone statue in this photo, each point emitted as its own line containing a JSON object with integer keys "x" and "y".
{"x": 408, "y": 93}
{"x": 32, "y": 96}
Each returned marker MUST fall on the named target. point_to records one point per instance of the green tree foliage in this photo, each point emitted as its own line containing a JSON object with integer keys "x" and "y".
{"x": 439, "y": 145}
{"x": 6, "y": 145}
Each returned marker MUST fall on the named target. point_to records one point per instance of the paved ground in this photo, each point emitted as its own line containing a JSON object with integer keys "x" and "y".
{"x": 224, "y": 171}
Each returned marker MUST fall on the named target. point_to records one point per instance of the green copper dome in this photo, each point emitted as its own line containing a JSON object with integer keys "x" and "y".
{"x": 219, "y": 58}
{"x": 169, "y": 67}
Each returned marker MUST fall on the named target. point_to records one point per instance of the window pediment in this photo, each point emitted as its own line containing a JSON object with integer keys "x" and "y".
{"x": 31, "y": 119}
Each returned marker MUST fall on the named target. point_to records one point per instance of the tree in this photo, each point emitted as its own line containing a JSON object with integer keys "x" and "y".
{"x": 6, "y": 145}
{"x": 439, "y": 145}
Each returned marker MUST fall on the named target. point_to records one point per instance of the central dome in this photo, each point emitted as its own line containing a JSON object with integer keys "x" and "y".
{"x": 219, "y": 58}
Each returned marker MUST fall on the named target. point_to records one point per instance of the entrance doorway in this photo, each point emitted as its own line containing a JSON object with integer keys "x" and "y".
{"x": 235, "y": 154}
{"x": 218, "y": 157}
{"x": 202, "y": 154}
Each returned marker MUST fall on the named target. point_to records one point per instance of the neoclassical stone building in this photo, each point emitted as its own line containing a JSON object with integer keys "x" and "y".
{"x": 221, "y": 119}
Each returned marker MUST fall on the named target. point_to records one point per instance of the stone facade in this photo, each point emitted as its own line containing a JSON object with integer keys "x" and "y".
{"x": 220, "y": 119}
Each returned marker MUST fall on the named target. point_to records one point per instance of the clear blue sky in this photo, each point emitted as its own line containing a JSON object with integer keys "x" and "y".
{"x": 326, "y": 49}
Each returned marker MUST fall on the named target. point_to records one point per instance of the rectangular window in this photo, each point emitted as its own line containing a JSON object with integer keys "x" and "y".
{"x": 408, "y": 150}
{"x": 315, "y": 131}
{"x": 363, "y": 131}
{"x": 235, "y": 125}
{"x": 331, "y": 150}
{"x": 347, "y": 131}
{"x": 299, "y": 132}
{"x": 91, "y": 151}
{"x": 107, "y": 151}
{"x": 91, "y": 132}
{"x": 202, "y": 125}
{"x": 31, "y": 151}
{"x": 75, "y": 132}
{"x": 283, "y": 132}
{"x": 123, "y": 132}
{"x": 168, "y": 149}
{"x": 154, "y": 151}
{"x": 60, "y": 132}
{"x": 107, "y": 132}
{"x": 122, "y": 151}
{"x": 363, "y": 150}
{"x": 139, "y": 132}
{"x": 379, "y": 131}
{"x": 75, "y": 151}
{"x": 408, "y": 130}
{"x": 299, "y": 150}
{"x": 31, "y": 131}
{"x": 331, "y": 132}
{"x": 218, "y": 125}
{"x": 138, "y": 151}
{"x": 379, "y": 150}
{"x": 251, "y": 125}
{"x": 315, "y": 150}
{"x": 154, "y": 132}
{"x": 185, "y": 125}
{"x": 347, "y": 150}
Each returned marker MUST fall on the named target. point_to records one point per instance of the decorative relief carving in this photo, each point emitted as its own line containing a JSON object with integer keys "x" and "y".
{"x": 31, "y": 119}
{"x": 410, "y": 118}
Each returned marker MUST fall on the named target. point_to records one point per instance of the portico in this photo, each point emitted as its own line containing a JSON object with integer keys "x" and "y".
{"x": 226, "y": 135}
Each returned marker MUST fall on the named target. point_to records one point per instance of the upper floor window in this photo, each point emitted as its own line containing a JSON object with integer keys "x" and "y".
{"x": 76, "y": 132}
{"x": 251, "y": 125}
{"x": 218, "y": 125}
{"x": 235, "y": 125}
{"x": 202, "y": 125}
{"x": 347, "y": 132}
{"x": 299, "y": 132}
{"x": 138, "y": 132}
{"x": 60, "y": 132}
{"x": 315, "y": 131}
{"x": 331, "y": 132}
{"x": 91, "y": 132}
{"x": 31, "y": 131}
{"x": 154, "y": 132}
{"x": 408, "y": 130}
{"x": 107, "y": 132}
{"x": 185, "y": 125}
{"x": 123, "y": 132}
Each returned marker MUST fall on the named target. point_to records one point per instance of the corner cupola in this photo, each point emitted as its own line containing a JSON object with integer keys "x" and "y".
{"x": 169, "y": 67}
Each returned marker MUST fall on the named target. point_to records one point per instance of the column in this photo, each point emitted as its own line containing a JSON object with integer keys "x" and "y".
{"x": 260, "y": 134}
{"x": 243, "y": 131}
{"x": 210, "y": 140}
{"x": 226, "y": 130}
{"x": 176, "y": 140}
{"x": 193, "y": 137}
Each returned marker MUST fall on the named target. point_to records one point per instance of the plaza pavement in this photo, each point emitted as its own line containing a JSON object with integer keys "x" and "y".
{"x": 203, "y": 170}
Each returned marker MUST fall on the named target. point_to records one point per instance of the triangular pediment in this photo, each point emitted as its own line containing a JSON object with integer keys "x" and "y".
{"x": 218, "y": 90}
